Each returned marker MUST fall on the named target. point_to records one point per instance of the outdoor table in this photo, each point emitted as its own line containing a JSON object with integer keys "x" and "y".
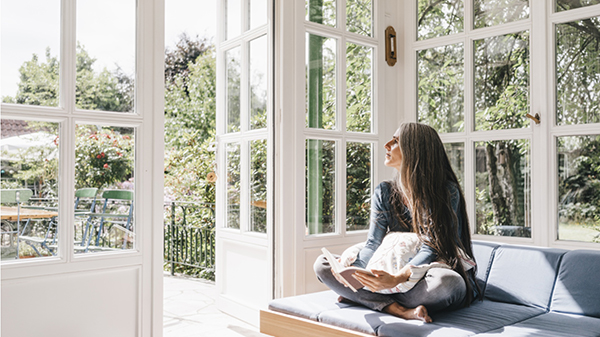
{"x": 20, "y": 214}
{"x": 13, "y": 213}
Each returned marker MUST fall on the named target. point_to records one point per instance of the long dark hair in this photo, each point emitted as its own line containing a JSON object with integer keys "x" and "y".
{"x": 422, "y": 184}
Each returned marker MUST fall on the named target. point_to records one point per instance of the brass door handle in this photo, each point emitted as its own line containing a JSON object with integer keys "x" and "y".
{"x": 535, "y": 118}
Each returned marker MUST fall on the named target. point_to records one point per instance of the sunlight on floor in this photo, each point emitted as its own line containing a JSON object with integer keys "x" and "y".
{"x": 190, "y": 310}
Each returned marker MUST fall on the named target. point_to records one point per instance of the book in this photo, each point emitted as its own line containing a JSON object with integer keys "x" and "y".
{"x": 345, "y": 273}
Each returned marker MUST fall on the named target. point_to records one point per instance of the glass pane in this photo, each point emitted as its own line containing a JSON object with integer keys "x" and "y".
{"x": 456, "y": 155}
{"x": 441, "y": 87}
{"x": 579, "y": 188}
{"x": 258, "y": 186}
{"x": 320, "y": 82}
{"x": 359, "y": 16}
{"x": 489, "y": 13}
{"x": 105, "y": 55}
{"x": 233, "y": 71}
{"x": 233, "y": 185}
{"x": 321, "y": 11}
{"x": 501, "y": 82}
{"x": 104, "y": 188}
{"x": 320, "y": 186}
{"x": 359, "y": 87}
{"x": 234, "y": 17}
{"x": 358, "y": 185}
{"x": 578, "y": 72}
{"x": 30, "y": 70}
{"x": 439, "y": 18}
{"x": 258, "y": 13}
{"x": 29, "y": 152}
{"x": 563, "y": 5}
{"x": 503, "y": 188}
{"x": 258, "y": 82}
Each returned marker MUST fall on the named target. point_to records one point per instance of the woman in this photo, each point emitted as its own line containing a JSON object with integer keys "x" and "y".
{"x": 424, "y": 198}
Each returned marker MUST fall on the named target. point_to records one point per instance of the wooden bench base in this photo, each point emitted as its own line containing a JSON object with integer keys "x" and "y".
{"x": 282, "y": 325}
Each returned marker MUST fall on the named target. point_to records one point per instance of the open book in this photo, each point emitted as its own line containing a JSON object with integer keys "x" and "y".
{"x": 344, "y": 273}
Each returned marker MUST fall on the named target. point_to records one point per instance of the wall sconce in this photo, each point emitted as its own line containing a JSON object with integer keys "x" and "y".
{"x": 390, "y": 46}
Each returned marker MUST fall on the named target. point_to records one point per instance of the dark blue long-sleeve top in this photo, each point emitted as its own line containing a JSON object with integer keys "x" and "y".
{"x": 384, "y": 220}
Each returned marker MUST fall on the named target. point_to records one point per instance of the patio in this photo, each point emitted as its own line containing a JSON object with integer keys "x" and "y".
{"x": 190, "y": 310}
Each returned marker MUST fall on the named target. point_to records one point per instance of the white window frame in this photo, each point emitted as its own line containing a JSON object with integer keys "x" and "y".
{"x": 147, "y": 118}
{"x": 544, "y": 184}
{"x": 294, "y": 250}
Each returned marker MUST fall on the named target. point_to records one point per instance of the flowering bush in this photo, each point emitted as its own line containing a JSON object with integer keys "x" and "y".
{"x": 103, "y": 156}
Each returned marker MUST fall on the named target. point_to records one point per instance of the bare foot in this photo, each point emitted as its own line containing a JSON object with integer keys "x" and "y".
{"x": 418, "y": 313}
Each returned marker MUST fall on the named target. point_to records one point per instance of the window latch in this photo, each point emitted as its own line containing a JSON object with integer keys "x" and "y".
{"x": 535, "y": 118}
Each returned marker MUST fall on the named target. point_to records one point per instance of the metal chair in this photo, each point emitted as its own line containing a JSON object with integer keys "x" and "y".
{"x": 84, "y": 213}
{"x": 117, "y": 213}
{"x": 14, "y": 197}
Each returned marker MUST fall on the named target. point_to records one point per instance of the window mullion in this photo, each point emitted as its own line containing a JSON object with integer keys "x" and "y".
{"x": 68, "y": 55}
{"x": 541, "y": 148}
{"x": 468, "y": 16}
{"x": 67, "y": 79}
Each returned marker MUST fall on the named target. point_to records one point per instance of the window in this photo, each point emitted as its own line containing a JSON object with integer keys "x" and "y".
{"x": 475, "y": 74}
{"x": 244, "y": 138}
{"x": 71, "y": 106}
{"x": 341, "y": 47}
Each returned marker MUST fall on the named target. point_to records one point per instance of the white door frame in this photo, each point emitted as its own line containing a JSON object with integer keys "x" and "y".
{"x": 294, "y": 251}
{"x": 136, "y": 275}
{"x": 244, "y": 259}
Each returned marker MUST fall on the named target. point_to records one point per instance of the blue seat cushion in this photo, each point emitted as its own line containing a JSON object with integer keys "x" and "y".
{"x": 308, "y": 305}
{"x": 357, "y": 318}
{"x": 523, "y": 275}
{"x": 577, "y": 286}
{"x": 480, "y": 317}
{"x": 551, "y": 325}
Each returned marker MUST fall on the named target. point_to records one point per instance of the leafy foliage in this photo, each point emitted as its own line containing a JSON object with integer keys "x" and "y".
{"x": 190, "y": 94}
{"x": 105, "y": 90}
{"x": 38, "y": 82}
{"x": 439, "y": 18}
{"x": 441, "y": 88}
{"x": 579, "y": 183}
{"x": 102, "y": 157}
{"x": 578, "y": 72}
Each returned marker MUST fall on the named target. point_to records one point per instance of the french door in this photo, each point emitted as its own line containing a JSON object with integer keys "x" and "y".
{"x": 94, "y": 100}
{"x": 244, "y": 253}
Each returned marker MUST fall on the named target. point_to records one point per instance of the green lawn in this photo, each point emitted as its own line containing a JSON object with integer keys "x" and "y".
{"x": 576, "y": 232}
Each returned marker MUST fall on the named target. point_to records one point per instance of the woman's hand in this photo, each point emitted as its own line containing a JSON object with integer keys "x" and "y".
{"x": 382, "y": 279}
{"x": 338, "y": 277}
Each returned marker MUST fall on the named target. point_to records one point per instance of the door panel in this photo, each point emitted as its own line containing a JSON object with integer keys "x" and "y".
{"x": 244, "y": 268}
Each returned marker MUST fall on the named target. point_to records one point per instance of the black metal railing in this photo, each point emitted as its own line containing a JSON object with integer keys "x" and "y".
{"x": 189, "y": 235}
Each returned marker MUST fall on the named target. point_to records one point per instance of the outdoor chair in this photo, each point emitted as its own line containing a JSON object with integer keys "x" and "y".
{"x": 83, "y": 212}
{"x": 116, "y": 216}
{"x": 11, "y": 226}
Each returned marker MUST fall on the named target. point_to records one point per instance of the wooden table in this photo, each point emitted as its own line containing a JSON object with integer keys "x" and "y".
{"x": 12, "y": 213}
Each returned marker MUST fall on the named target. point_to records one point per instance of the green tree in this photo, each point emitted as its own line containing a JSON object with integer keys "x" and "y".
{"x": 38, "y": 82}
{"x": 106, "y": 91}
{"x": 190, "y": 106}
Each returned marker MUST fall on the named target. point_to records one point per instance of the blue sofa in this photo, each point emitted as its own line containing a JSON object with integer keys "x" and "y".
{"x": 529, "y": 291}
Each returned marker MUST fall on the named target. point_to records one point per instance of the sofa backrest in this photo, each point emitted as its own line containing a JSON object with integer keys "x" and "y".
{"x": 523, "y": 275}
{"x": 483, "y": 252}
{"x": 577, "y": 289}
